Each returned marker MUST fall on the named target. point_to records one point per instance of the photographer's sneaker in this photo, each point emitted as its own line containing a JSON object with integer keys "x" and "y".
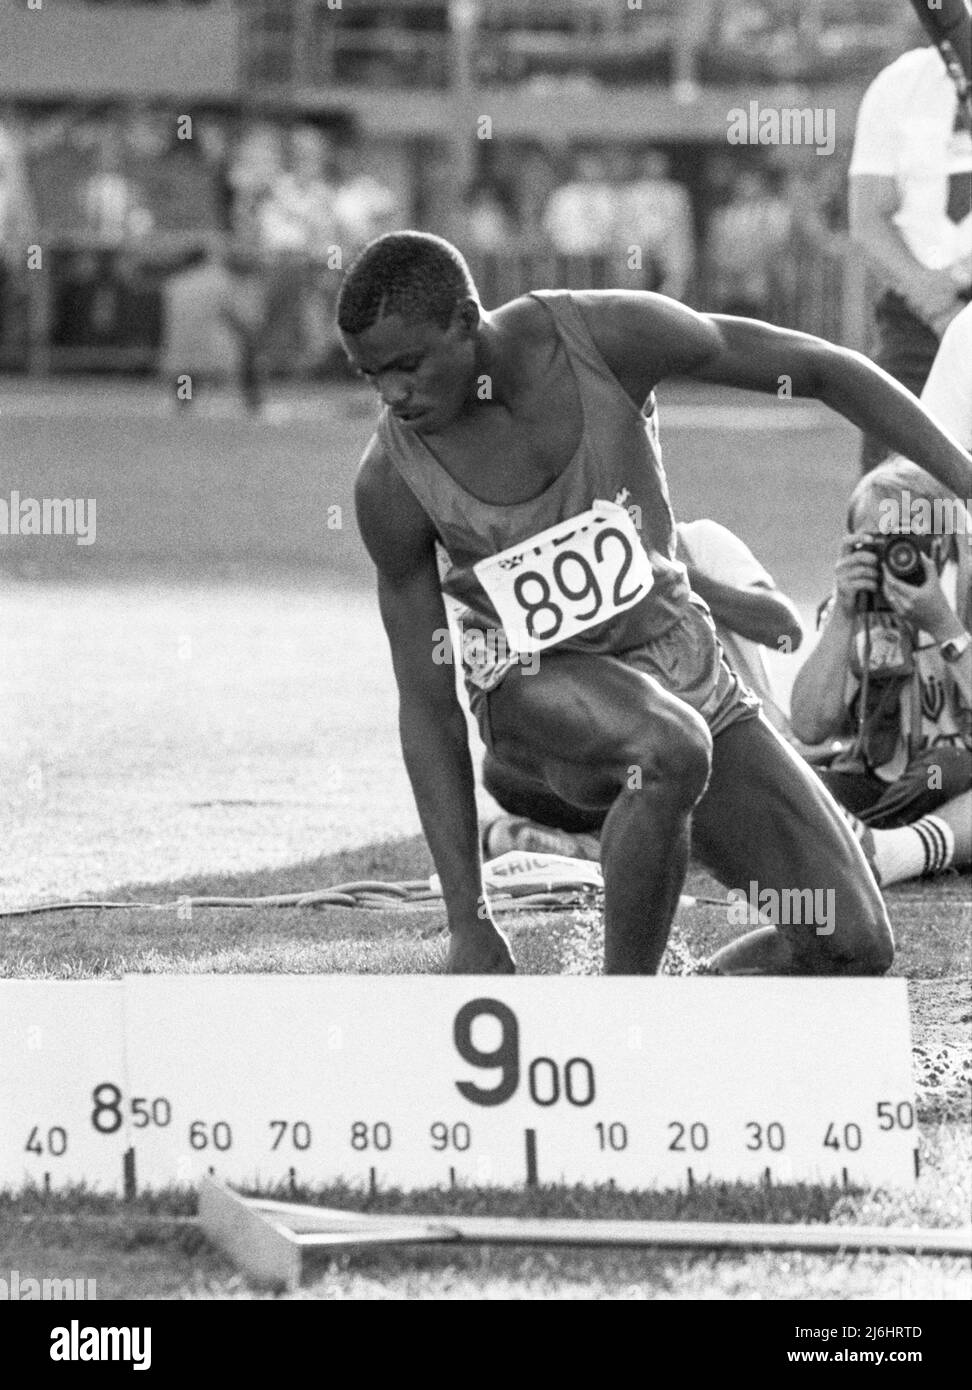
{"x": 506, "y": 833}
{"x": 924, "y": 848}
{"x": 919, "y": 850}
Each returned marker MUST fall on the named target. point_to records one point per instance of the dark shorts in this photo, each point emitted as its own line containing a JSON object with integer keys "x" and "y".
{"x": 686, "y": 660}
{"x": 906, "y": 349}
{"x": 936, "y": 776}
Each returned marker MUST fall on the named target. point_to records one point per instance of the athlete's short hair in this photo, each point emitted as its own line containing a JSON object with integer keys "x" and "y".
{"x": 414, "y": 274}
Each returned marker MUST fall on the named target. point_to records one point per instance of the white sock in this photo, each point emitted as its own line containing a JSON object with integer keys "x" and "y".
{"x": 926, "y": 847}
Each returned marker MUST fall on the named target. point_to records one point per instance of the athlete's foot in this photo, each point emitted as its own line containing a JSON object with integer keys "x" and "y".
{"x": 483, "y": 952}
{"x": 507, "y": 833}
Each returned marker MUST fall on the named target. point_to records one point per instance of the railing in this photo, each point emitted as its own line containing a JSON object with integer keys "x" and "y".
{"x": 821, "y": 288}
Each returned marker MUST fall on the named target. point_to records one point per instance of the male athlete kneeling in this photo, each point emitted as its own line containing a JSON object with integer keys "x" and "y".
{"x": 521, "y": 439}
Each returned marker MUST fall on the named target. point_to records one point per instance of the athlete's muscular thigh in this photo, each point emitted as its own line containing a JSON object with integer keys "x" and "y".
{"x": 584, "y": 722}
{"x": 766, "y": 819}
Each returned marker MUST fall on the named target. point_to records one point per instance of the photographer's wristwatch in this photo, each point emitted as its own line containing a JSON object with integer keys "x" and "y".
{"x": 955, "y": 647}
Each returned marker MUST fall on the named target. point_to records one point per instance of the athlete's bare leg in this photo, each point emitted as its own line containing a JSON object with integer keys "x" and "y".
{"x": 766, "y": 818}
{"x": 605, "y": 737}
{"x": 530, "y": 797}
{"x": 761, "y": 820}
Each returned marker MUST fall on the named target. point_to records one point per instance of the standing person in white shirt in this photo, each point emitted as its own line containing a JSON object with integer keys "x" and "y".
{"x": 579, "y": 218}
{"x": 656, "y": 213}
{"x": 16, "y": 222}
{"x": 298, "y": 226}
{"x": 910, "y": 209}
{"x": 948, "y": 391}
{"x": 747, "y": 246}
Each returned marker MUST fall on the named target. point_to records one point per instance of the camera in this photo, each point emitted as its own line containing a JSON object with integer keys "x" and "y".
{"x": 899, "y": 552}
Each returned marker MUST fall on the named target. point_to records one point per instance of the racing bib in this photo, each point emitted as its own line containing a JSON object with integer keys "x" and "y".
{"x": 574, "y": 575}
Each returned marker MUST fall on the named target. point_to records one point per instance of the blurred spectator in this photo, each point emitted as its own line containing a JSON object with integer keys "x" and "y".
{"x": 486, "y": 223}
{"x": 655, "y": 214}
{"x": 298, "y": 212}
{"x": 746, "y": 248}
{"x": 16, "y": 226}
{"x": 579, "y": 218}
{"x": 111, "y": 205}
{"x": 298, "y": 229}
{"x": 182, "y": 190}
{"x": 817, "y": 195}
{"x": 212, "y": 312}
{"x": 16, "y": 211}
{"x": 146, "y": 132}
{"x": 911, "y": 212}
{"x": 364, "y": 207}
{"x": 759, "y": 38}
{"x": 254, "y": 171}
{"x": 534, "y": 177}
{"x": 213, "y": 139}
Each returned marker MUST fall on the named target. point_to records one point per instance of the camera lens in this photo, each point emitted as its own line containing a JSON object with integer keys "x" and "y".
{"x": 902, "y": 558}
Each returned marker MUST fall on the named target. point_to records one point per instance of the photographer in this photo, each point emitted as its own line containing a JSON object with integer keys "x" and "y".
{"x": 910, "y": 212}
{"x": 893, "y": 668}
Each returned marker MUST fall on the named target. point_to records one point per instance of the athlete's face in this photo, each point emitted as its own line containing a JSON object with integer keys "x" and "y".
{"x": 423, "y": 373}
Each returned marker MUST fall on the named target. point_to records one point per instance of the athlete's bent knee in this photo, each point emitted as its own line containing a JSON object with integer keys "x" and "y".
{"x": 675, "y": 757}
{"x": 868, "y": 951}
{"x": 876, "y": 954}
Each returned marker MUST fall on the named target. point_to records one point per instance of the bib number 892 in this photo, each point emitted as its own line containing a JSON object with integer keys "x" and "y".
{"x": 533, "y": 582}
{"x": 578, "y": 574}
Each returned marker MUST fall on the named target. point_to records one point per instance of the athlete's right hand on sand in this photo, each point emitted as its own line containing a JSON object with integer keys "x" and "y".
{"x": 483, "y": 950}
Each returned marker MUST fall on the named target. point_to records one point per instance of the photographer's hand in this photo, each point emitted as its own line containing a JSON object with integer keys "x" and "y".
{"x": 857, "y": 570}
{"x": 923, "y": 606}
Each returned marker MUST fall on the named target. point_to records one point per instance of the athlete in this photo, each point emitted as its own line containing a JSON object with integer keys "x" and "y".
{"x": 523, "y": 443}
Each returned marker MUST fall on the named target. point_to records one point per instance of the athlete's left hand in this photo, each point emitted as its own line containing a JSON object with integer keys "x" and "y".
{"x": 923, "y": 606}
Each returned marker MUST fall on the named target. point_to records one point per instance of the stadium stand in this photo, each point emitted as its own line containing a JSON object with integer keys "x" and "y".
{"x": 120, "y": 197}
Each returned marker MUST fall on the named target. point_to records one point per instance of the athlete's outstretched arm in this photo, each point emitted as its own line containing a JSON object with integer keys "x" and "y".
{"x": 401, "y": 541}
{"x": 757, "y": 355}
{"x": 645, "y": 338}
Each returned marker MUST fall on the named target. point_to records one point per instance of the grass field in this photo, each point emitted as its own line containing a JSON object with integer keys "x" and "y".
{"x": 201, "y": 701}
